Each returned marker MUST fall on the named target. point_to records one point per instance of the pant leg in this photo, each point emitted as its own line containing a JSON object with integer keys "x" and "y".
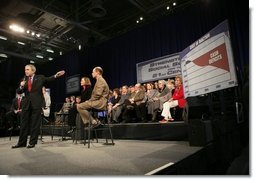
{"x": 170, "y": 104}
{"x": 116, "y": 113}
{"x": 24, "y": 127}
{"x": 84, "y": 113}
{"x": 35, "y": 125}
{"x": 165, "y": 110}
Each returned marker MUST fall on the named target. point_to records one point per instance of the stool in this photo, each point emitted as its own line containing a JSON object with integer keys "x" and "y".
{"x": 105, "y": 126}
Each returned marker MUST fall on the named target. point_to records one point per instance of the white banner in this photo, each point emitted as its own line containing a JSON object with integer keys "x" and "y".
{"x": 160, "y": 68}
{"x": 207, "y": 64}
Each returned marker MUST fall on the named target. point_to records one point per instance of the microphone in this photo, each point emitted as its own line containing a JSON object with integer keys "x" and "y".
{"x": 22, "y": 83}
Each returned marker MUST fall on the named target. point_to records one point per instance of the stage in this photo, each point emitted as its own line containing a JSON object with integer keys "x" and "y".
{"x": 126, "y": 157}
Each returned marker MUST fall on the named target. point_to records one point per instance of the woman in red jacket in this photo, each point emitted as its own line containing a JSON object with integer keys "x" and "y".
{"x": 176, "y": 100}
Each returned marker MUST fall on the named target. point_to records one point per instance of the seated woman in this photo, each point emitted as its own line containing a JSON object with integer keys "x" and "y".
{"x": 176, "y": 100}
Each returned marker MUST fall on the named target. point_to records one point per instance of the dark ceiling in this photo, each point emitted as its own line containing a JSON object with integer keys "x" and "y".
{"x": 63, "y": 25}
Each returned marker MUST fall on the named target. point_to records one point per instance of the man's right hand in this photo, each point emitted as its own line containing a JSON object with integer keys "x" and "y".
{"x": 22, "y": 83}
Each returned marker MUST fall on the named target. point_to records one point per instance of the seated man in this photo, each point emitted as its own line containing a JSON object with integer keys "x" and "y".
{"x": 64, "y": 110}
{"x": 97, "y": 101}
{"x": 133, "y": 103}
{"x": 15, "y": 112}
{"x": 117, "y": 108}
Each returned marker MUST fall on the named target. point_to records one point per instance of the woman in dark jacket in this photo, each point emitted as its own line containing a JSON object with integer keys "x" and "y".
{"x": 85, "y": 94}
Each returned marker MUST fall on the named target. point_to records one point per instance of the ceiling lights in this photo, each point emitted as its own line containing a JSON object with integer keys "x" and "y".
{"x": 3, "y": 38}
{"x": 39, "y": 56}
{"x": 3, "y": 55}
{"x": 140, "y": 19}
{"x": 17, "y": 28}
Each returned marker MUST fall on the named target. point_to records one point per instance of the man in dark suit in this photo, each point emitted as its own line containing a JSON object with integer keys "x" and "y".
{"x": 15, "y": 112}
{"x": 33, "y": 102}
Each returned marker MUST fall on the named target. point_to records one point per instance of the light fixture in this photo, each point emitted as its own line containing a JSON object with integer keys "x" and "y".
{"x": 141, "y": 18}
{"x": 38, "y": 35}
{"x": 50, "y": 58}
{"x": 79, "y": 46}
{"x": 17, "y": 28}
{"x": 50, "y": 50}
{"x": 27, "y": 31}
{"x": 32, "y": 62}
{"x": 3, "y": 55}
{"x": 33, "y": 33}
{"x": 61, "y": 53}
{"x": 21, "y": 43}
{"x": 174, "y": 3}
{"x": 168, "y": 7}
{"x": 137, "y": 21}
{"x": 39, "y": 56}
{"x": 3, "y": 38}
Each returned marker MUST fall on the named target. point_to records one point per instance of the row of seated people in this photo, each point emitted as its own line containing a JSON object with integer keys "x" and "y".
{"x": 143, "y": 103}
{"x": 131, "y": 104}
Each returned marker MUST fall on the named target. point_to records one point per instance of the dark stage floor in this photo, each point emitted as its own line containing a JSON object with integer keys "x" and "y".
{"x": 126, "y": 157}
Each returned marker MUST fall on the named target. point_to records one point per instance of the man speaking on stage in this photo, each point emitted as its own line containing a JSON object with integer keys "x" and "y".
{"x": 33, "y": 103}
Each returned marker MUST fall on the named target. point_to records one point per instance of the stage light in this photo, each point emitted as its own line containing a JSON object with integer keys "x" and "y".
{"x": 38, "y": 35}
{"x": 61, "y": 53}
{"x": 32, "y": 62}
{"x": 39, "y": 56}
{"x": 27, "y": 31}
{"x": 21, "y": 43}
{"x": 3, "y": 55}
{"x": 79, "y": 47}
{"x": 17, "y": 28}
{"x": 33, "y": 33}
{"x": 168, "y": 7}
{"x": 141, "y": 18}
{"x": 50, "y": 58}
{"x": 3, "y": 38}
{"x": 174, "y": 3}
{"x": 50, "y": 50}
{"x": 137, "y": 21}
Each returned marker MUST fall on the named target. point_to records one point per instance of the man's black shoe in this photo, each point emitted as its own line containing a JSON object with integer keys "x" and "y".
{"x": 71, "y": 131}
{"x": 18, "y": 146}
{"x": 30, "y": 146}
{"x": 94, "y": 126}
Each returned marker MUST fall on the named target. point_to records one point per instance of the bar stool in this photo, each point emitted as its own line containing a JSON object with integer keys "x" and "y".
{"x": 105, "y": 126}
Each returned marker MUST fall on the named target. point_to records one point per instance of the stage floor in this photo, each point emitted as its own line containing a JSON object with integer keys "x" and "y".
{"x": 126, "y": 157}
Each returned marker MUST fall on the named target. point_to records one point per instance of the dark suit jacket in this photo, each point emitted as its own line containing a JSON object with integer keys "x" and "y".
{"x": 14, "y": 105}
{"x": 86, "y": 94}
{"x": 35, "y": 97}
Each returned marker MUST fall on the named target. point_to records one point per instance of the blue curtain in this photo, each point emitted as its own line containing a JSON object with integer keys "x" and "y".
{"x": 170, "y": 34}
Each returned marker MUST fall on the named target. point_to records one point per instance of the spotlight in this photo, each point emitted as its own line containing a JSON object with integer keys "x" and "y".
{"x": 38, "y": 35}
{"x": 27, "y": 31}
{"x": 50, "y": 58}
{"x": 17, "y": 28}
{"x": 33, "y": 33}
{"x": 174, "y": 3}
{"x": 79, "y": 47}
{"x": 141, "y": 18}
{"x": 168, "y": 7}
{"x": 61, "y": 53}
{"x": 137, "y": 21}
{"x": 32, "y": 62}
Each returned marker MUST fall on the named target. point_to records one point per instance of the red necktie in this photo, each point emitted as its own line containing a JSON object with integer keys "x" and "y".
{"x": 29, "y": 84}
{"x": 19, "y": 103}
